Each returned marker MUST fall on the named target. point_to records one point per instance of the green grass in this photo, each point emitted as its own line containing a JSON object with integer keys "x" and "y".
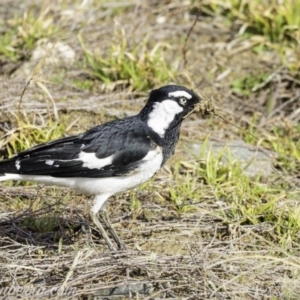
{"x": 86, "y": 84}
{"x": 43, "y": 224}
{"x": 282, "y": 139}
{"x": 245, "y": 85}
{"x": 28, "y": 133}
{"x": 276, "y": 22}
{"x": 281, "y": 197}
{"x": 45, "y": 213}
{"x": 285, "y": 142}
{"x": 184, "y": 193}
{"x": 24, "y": 31}
{"x": 139, "y": 67}
{"x": 249, "y": 201}
{"x": 135, "y": 205}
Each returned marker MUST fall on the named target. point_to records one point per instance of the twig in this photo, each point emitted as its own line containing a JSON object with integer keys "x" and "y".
{"x": 208, "y": 108}
{"x": 185, "y": 42}
{"x": 70, "y": 273}
{"x": 33, "y": 78}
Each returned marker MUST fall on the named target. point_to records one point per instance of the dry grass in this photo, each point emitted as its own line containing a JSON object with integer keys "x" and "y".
{"x": 194, "y": 255}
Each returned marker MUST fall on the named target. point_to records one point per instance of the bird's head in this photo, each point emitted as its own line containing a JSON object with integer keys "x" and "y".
{"x": 167, "y": 106}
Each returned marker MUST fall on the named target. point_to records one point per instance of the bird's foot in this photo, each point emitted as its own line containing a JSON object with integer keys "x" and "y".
{"x": 109, "y": 243}
{"x": 103, "y": 216}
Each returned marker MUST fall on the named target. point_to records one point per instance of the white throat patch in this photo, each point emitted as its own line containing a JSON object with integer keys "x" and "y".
{"x": 162, "y": 115}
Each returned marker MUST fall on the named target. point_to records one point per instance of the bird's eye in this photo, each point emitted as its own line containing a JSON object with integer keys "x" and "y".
{"x": 182, "y": 101}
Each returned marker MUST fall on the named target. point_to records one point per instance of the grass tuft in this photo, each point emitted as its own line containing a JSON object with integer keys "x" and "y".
{"x": 140, "y": 67}
{"x": 276, "y": 22}
{"x": 24, "y": 31}
{"x": 248, "y": 201}
{"x": 27, "y": 133}
{"x": 246, "y": 85}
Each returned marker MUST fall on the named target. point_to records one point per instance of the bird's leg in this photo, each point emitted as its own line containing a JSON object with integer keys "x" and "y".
{"x": 102, "y": 231}
{"x": 99, "y": 206}
{"x": 104, "y": 217}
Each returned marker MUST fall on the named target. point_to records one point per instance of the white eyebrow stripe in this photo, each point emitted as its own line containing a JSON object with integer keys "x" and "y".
{"x": 180, "y": 94}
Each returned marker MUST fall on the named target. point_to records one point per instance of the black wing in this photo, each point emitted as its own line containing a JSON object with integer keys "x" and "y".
{"x": 127, "y": 141}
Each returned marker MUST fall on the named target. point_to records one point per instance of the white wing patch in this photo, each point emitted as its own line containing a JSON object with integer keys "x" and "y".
{"x": 92, "y": 162}
{"x": 180, "y": 94}
{"x": 18, "y": 164}
{"x": 89, "y": 161}
{"x": 163, "y": 114}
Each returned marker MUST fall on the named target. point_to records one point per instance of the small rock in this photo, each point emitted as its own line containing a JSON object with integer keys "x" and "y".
{"x": 255, "y": 161}
{"x": 124, "y": 290}
{"x": 55, "y": 54}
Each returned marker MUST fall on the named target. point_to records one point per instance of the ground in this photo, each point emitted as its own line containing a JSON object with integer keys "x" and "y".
{"x": 221, "y": 219}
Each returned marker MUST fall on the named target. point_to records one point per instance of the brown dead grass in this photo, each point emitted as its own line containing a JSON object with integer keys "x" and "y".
{"x": 193, "y": 255}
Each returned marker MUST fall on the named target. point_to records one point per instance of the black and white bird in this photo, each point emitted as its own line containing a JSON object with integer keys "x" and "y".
{"x": 109, "y": 158}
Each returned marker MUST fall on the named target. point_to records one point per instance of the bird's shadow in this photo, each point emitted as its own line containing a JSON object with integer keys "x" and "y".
{"x": 47, "y": 221}
{"x": 44, "y": 227}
